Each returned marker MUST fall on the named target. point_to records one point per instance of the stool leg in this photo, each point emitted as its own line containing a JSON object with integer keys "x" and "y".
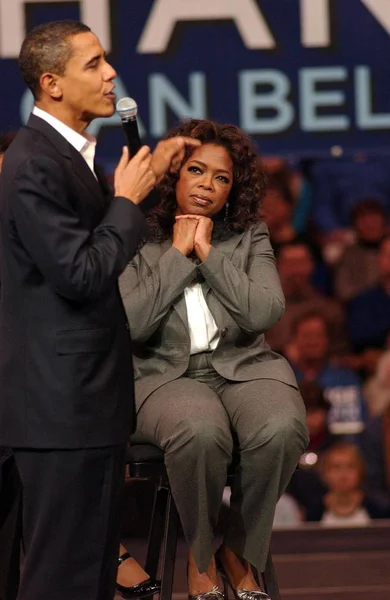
{"x": 169, "y": 549}
{"x": 269, "y": 578}
{"x": 156, "y": 531}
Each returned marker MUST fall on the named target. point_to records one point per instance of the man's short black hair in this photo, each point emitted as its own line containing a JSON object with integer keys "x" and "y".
{"x": 46, "y": 49}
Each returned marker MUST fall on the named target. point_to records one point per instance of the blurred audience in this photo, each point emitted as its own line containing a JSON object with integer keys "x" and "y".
{"x": 310, "y": 359}
{"x": 376, "y": 449}
{"x": 306, "y": 486}
{"x": 277, "y": 211}
{"x": 357, "y": 269}
{"x": 342, "y": 469}
{"x": 368, "y": 314}
{"x": 295, "y": 264}
{"x": 287, "y": 513}
{"x": 377, "y": 387}
{"x": 339, "y": 183}
{"x": 295, "y": 175}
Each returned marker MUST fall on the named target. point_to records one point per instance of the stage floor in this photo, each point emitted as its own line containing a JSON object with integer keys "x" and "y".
{"x": 313, "y": 563}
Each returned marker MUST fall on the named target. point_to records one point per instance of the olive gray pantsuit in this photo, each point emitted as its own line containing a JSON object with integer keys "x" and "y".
{"x": 198, "y": 408}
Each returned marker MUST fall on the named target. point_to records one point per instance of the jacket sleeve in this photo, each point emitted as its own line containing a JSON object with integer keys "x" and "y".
{"x": 149, "y": 292}
{"x": 79, "y": 264}
{"x": 254, "y": 297}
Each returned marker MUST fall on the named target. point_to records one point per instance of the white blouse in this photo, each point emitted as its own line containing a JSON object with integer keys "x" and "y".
{"x": 203, "y": 330}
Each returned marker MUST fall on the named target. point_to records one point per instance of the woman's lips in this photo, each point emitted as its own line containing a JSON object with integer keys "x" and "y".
{"x": 201, "y": 200}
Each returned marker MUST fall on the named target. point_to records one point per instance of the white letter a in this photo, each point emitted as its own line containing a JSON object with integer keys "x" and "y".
{"x": 166, "y": 13}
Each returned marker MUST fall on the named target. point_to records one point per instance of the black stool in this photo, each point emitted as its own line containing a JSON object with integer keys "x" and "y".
{"x": 146, "y": 461}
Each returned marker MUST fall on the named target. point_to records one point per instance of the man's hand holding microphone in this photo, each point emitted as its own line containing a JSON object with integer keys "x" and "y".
{"x": 139, "y": 169}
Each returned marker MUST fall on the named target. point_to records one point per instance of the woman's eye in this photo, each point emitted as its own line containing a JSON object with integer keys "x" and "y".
{"x": 193, "y": 169}
{"x": 223, "y": 179}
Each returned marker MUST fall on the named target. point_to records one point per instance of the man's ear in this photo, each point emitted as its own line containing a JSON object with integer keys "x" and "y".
{"x": 51, "y": 85}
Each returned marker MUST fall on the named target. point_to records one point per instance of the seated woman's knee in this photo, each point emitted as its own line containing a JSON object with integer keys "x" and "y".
{"x": 289, "y": 431}
{"x": 204, "y": 433}
{"x": 280, "y": 431}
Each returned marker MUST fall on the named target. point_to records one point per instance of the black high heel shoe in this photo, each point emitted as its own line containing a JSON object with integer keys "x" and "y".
{"x": 241, "y": 594}
{"x": 146, "y": 588}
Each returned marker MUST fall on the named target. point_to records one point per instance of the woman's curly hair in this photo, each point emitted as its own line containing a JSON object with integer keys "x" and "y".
{"x": 248, "y": 181}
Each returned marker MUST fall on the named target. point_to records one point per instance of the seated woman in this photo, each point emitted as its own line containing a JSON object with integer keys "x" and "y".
{"x": 199, "y": 297}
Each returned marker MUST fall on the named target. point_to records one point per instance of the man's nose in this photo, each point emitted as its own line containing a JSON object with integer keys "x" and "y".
{"x": 109, "y": 72}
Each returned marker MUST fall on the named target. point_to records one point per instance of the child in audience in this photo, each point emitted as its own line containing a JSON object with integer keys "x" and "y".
{"x": 343, "y": 472}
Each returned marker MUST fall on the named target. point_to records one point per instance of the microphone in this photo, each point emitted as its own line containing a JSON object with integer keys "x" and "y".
{"x": 127, "y": 110}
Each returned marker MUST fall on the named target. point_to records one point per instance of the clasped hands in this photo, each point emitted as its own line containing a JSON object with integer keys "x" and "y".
{"x": 192, "y": 233}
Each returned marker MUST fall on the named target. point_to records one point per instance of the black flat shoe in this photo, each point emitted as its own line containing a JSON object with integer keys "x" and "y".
{"x": 214, "y": 594}
{"x": 241, "y": 594}
{"x": 146, "y": 588}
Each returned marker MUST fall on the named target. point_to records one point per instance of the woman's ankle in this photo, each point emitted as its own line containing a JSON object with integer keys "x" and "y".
{"x": 238, "y": 570}
{"x": 200, "y": 583}
{"x": 131, "y": 573}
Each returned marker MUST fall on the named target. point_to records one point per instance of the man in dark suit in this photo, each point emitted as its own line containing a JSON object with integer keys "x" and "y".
{"x": 66, "y": 377}
{"x": 10, "y": 526}
{"x": 9, "y": 489}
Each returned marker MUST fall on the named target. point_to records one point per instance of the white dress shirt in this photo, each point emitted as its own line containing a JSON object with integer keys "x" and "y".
{"x": 85, "y": 144}
{"x": 203, "y": 330}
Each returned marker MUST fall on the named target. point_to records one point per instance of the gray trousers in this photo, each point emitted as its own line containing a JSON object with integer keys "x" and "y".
{"x": 197, "y": 420}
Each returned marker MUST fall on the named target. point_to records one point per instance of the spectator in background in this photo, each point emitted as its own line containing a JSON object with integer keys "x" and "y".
{"x": 357, "y": 269}
{"x": 338, "y": 184}
{"x": 277, "y": 212}
{"x": 376, "y": 449}
{"x": 317, "y": 410}
{"x": 342, "y": 387}
{"x": 377, "y": 388}
{"x": 343, "y": 471}
{"x": 368, "y": 315}
{"x": 306, "y": 486}
{"x": 296, "y": 265}
{"x": 277, "y": 209}
{"x": 295, "y": 177}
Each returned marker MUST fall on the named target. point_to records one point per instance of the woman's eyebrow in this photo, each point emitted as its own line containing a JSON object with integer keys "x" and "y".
{"x": 202, "y": 164}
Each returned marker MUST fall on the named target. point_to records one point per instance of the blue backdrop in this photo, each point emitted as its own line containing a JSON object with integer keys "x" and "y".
{"x": 301, "y": 76}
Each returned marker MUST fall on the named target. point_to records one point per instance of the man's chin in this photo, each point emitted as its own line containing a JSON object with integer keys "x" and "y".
{"x": 104, "y": 111}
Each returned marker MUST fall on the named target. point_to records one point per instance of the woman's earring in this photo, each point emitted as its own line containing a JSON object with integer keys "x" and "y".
{"x": 226, "y": 211}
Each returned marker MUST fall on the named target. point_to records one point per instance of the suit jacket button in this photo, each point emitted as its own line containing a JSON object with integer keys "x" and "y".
{"x": 224, "y": 332}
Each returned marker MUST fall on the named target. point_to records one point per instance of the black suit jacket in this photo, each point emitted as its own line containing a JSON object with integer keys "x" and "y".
{"x": 66, "y": 376}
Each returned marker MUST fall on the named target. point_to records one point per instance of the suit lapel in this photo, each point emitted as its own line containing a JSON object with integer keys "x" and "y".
{"x": 180, "y": 307}
{"x": 85, "y": 177}
{"x": 152, "y": 253}
{"x": 227, "y": 248}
